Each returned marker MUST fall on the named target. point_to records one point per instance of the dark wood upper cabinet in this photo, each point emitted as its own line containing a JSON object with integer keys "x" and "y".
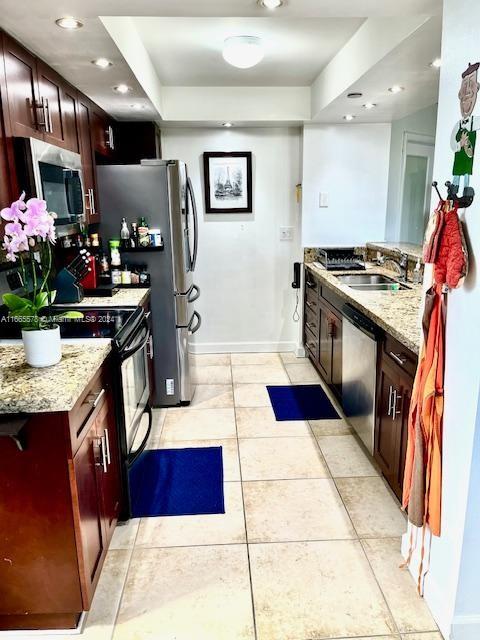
{"x": 70, "y": 117}
{"x": 84, "y": 110}
{"x": 22, "y": 90}
{"x": 50, "y": 104}
{"x": 102, "y": 132}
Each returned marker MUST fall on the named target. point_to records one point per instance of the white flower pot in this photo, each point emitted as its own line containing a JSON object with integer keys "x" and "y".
{"x": 42, "y": 346}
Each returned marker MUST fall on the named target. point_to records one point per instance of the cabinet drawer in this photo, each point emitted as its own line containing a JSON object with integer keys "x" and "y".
{"x": 400, "y": 355}
{"x": 311, "y": 283}
{"x": 332, "y": 298}
{"x": 87, "y": 408}
{"x": 311, "y": 322}
{"x": 311, "y": 343}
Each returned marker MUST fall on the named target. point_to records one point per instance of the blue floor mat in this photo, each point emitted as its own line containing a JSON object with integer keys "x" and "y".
{"x": 177, "y": 482}
{"x": 301, "y": 402}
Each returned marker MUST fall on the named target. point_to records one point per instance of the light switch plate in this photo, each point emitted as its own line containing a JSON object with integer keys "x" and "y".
{"x": 286, "y": 233}
{"x": 323, "y": 200}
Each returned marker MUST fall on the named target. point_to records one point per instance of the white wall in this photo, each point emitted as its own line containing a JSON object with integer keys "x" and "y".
{"x": 424, "y": 123}
{"x": 458, "y": 615}
{"x": 244, "y": 270}
{"x": 350, "y": 163}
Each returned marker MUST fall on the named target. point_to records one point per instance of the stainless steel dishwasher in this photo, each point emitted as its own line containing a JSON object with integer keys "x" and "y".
{"x": 359, "y": 372}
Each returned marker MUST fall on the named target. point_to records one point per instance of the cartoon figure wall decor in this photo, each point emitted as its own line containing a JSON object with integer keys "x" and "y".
{"x": 464, "y": 134}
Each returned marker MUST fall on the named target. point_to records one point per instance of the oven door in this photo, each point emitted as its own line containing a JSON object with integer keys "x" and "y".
{"x": 135, "y": 384}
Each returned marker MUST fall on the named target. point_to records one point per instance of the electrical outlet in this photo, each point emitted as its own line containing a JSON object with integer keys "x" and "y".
{"x": 286, "y": 233}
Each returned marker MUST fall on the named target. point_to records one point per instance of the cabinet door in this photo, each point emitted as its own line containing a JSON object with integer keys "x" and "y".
{"x": 325, "y": 342}
{"x": 50, "y": 95}
{"x": 336, "y": 332}
{"x": 88, "y": 165}
{"x": 22, "y": 90}
{"x": 70, "y": 117}
{"x": 102, "y": 132}
{"x": 403, "y": 409}
{"x": 110, "y": 469}
{"x": 87, "y": 470}
{"x": 387, "y": 421}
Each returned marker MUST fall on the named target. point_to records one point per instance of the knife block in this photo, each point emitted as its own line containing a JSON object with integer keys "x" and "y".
{"x": 68, "y": 289}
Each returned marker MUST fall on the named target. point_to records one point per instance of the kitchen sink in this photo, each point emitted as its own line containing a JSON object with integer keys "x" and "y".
{"x": 371, "y": 282}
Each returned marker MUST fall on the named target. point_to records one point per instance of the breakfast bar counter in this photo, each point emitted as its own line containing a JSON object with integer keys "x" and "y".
{"x": 49, "y": 389}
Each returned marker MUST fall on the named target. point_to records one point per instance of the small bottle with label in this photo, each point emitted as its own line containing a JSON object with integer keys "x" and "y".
{"x": 125, "y": 234}
{"x": 143, "y": 235}
{"x": 126, "y": 275}
{"x": 134, "y": 235}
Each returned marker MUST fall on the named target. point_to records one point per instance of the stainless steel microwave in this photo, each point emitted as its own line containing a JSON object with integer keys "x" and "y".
{"x": 54, "y": 174}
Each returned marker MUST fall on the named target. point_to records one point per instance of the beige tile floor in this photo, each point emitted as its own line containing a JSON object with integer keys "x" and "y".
{"x": 309, "y": 546}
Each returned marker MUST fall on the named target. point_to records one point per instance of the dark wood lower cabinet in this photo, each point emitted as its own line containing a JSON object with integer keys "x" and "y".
{"x": 394, "y": 392}
{"x": 323, "y": 333}
{"x": 59, "y": 504}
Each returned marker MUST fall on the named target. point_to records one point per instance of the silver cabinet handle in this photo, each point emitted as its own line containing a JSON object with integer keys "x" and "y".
{"x": 49, "y": 116}
{"x": 104, "y": 455}
{"x": 110, "y": 141}
{"x": 390, "y": 394}
{"x": 91, "y": 199}
{"x": 396, "y": 412}
{"x": 107, "y": 443}
{"x": 398, "y": 358}
{"x": 150, "y": 348}
{"x": 310, "y": 326}
{"x": 95, "y": 398}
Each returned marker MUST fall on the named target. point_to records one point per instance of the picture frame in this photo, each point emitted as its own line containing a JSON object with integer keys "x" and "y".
{"x": 228, "y": 181}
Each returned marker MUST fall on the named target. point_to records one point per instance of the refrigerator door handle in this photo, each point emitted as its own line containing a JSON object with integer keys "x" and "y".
{"x": 194, "y": 329}
{"x": 195, "y": 224}
{"x": 194, "y": 293}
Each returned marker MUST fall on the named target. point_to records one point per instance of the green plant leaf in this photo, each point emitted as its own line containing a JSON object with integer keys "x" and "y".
{"x": 41, "y": 300}
{"x": 70, "y": 314}
{"x": 53, "y": 295}
{"x": 14, "y": 302}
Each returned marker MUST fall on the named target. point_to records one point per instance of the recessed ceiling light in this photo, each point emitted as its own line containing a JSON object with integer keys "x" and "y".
{"x": 270, "y": 4}
{"x": 396, "y": 88}
{"x": 348, "y": 117}
{"x": 103, "y": 63}
{"x": 69, "y": 23}
{"x": 227, "y": 125}
{"x": 243, "y": 52}
{"x": 369, "y": 105}
{"x": 122, "y": 88}
{"x": 437, "y": 63}
{"x": 354, "y": 94}
{"x": 137, "y": 106}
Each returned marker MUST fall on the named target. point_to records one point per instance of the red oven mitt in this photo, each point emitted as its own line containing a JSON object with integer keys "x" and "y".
{"x": 451, "y": 261}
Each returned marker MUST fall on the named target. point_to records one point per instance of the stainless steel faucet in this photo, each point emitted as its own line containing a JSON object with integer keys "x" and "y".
{"x": 402, "y": 264}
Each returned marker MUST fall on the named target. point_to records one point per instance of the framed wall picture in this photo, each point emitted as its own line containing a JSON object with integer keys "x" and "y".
{"x": 228, "y": 182}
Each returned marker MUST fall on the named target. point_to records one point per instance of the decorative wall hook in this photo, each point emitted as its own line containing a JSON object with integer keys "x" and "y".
{"x": 462, "y": 202}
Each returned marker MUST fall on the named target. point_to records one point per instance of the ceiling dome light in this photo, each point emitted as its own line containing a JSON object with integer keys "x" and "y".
{"x": 122, "y": 88}
{"x": 243, "y": 52}
{"x": 103, "y": 63}
{"x": 348, "y": 117}
{"x": 271, "y": 4}
{"x": 69, "y": 23}
{"x": 137, "y": 106}
{"x": 396, "y": 89}
{"x": 227, "y": 125}
{"x": 369, "y": 105}
{"x": 437, "y": 63}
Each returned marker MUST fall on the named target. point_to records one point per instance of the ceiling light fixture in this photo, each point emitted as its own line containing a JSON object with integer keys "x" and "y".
{"x": 348, "y": 117}
{"x": 122, "y": 88}
{"x": 396, "y": 88}
{"x": 68, "y": 22}
{"x": 270, "y": 4}
{"x": 243, "y": 52}
{"x": 103, "y": 63}
{"x": 354, "y": 95}
{"x": 137, "y": 106}
{"x": 437, "y": 63}
{"x": 227, "y": 125}
{"x": 369, "y": 105}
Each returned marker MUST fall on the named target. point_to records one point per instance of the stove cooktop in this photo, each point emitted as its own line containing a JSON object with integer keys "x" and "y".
{"x": 96, "y": 323}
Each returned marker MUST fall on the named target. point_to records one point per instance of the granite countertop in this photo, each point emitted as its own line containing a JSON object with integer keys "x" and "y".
{"x": 397, "y": 312}
{"x": 25, "y": 389}
{"x": 414, "y": 251}
{"x": 123, "y": 298}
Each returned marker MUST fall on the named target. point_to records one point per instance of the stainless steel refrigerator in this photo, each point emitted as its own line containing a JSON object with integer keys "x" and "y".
{"x": 161, "y": 191}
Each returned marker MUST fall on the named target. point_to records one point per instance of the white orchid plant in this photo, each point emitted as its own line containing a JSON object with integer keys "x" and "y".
{"x": 28, "y": 238}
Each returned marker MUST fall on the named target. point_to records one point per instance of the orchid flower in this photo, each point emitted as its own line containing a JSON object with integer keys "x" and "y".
{"x": 13, "y": 212}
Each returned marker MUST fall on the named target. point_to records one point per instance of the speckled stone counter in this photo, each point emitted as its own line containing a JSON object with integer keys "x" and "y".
{"x": 25, "y": 389}
{"x": 123, "y": 298}
{"x": 397, "y": 312}
{"x": 414, "y": 251}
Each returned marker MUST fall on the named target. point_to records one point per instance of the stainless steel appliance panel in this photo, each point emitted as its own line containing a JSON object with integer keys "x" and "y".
{"x": 359, "y": 375}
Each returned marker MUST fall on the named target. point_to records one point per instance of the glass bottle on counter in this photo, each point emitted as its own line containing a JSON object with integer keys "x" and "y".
{"x": 115, "y": 258}
{"x": 134, "y": 235}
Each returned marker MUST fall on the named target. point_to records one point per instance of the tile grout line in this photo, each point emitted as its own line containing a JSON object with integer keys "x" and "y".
{"x": 252, "y": 599}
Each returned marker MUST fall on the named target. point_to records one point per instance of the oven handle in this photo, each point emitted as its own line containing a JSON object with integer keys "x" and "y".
{"x": 133, "y": 457}
{"x": 141, "y": 344}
